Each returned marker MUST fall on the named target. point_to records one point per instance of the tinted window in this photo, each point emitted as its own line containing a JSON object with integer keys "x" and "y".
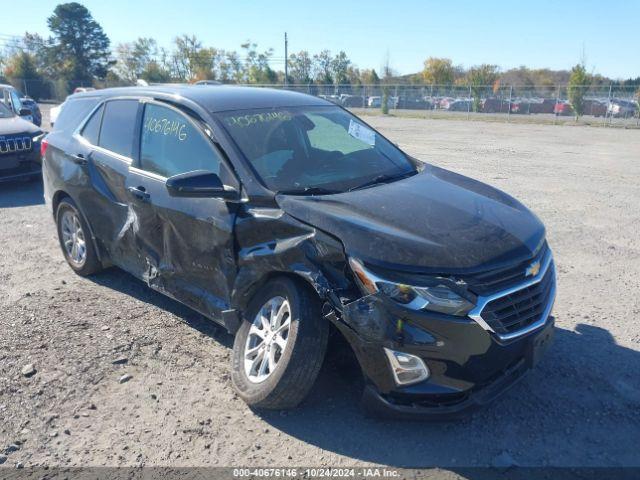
{"x": 73, "y": 111}
{"x": 171, "y": 144}
{"x": 92, "y": 128}
{"x": 118, "y": 126}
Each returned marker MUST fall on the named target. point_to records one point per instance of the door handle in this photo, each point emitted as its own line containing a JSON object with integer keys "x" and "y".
{"x": 140, "y": 193}
{"x": 79, "y": 159}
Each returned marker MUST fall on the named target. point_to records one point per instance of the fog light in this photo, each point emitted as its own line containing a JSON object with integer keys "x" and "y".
{"x": 407, "y": 369}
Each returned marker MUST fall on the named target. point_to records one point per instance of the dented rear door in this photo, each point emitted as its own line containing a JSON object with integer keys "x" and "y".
{"x": 107, "y": 139}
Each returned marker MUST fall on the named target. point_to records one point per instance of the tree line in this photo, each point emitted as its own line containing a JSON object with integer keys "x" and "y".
{"x": 79, "y": 53}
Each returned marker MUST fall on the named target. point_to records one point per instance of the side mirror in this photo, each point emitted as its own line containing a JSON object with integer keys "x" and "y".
{"x": 200, "y": 184}
{"x": 25, "y": 112}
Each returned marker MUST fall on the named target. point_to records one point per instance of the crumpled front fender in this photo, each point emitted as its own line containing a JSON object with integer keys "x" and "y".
{"x": 271, "y": 242}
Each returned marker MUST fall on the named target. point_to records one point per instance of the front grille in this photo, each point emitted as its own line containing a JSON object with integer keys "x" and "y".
{"x": 492, "y": 281}
{"x": 520, "y": 309}
{"x": 15, "y": 144}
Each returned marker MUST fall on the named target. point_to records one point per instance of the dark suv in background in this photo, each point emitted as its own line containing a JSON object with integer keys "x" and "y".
{"x": 19, "y": 147}
{"x": 31, "y": 104}
{"x": 287, "y": 219}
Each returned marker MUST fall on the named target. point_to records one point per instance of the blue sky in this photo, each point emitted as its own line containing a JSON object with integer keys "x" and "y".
{"x": 543, "y": 33}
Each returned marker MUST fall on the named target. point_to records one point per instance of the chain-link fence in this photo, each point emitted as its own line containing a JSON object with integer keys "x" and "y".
{"x": 606, "y": 104}
{"x": 595, "y": 104}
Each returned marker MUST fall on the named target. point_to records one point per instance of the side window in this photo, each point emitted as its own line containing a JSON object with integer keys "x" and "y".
{"x": 171, "y": 144}
{"x": 91, "y": 129}
{"x": 118, "y": 126}
{"x": 15, "y": 100}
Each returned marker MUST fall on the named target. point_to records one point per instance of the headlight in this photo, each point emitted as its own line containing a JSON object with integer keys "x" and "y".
{"x": 437, "y": 297}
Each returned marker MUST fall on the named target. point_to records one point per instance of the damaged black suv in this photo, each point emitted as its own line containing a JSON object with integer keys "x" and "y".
{"x": 283, "y": 217}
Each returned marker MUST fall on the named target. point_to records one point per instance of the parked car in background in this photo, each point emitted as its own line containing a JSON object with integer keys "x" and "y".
{"x": 290, "y": 221}
{"x": 376, "y": 101}
{"x": 351, "y": 101}
{"x": 444, "y": 102}
{"x": 83, "y": 89}
{"x": 414, "y": 103}
{"x": 594, "y": 107}
{"x": 541, "y": 105}
{"x": 32, "y": 105}
{"x": 562, "y": 108}
{"x": 494, "y": 105}
{"x": 331, "y": 98}
{"x": 460, "y": 105}
{"x": 11, "y": 99}
{"x": 621, "y": 108}
{"x": 19, "y": 147}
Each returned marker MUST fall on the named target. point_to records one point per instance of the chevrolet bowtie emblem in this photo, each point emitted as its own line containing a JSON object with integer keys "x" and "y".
{"x": 532, "y": 270}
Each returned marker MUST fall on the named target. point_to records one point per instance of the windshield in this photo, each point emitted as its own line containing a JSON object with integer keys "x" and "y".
{"x": 314, "y": 149}
{"x": 4, "y": 111}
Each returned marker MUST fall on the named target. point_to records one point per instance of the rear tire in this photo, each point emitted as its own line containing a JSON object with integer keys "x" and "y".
{"x": 292, "y": 370}
{"x": 75, "y": 239}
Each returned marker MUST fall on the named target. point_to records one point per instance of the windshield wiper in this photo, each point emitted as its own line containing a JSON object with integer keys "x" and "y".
{"x": 384, "y": 178}
{"x": 309, "y": 191}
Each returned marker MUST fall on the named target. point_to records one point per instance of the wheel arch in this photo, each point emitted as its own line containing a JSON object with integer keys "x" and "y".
{"x": 244, "y": 296}
{"x": 56, "y": 199}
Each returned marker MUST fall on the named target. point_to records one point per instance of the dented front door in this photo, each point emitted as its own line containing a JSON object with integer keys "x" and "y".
{"x": 186, "y": 244}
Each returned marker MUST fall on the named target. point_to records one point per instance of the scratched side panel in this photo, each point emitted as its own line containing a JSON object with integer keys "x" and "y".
{"x": 106, "y": 207}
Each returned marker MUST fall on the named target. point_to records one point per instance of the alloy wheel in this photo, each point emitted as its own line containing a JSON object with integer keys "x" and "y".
{"x": 73, "y": 238}
{"x": 267, "y": 339}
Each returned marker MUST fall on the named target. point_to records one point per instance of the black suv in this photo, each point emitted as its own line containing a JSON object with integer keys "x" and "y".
{"x": 19, "y": 147}
{"x": 285, "y": 218}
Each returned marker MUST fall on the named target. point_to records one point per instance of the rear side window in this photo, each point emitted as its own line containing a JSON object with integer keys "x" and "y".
{"x": 91, "y": 130}
{"x": 118, "y": 126}
{"x": 73, "y": 111}
{"x": 171, "y": 144}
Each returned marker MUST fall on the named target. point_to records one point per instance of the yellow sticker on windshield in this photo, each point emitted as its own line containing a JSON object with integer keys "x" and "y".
{"x": 255, "y": 118}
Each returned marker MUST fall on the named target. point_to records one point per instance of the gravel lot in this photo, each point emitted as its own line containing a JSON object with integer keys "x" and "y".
{"x": 580, "y": 407}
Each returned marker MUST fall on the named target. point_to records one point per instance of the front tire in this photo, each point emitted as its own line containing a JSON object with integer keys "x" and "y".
{"x": 75, "y": 239}
{"x": 280, "y": 347}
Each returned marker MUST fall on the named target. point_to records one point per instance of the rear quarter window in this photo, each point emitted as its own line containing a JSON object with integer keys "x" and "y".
{"x": 118, "y": 126}
{"x": 73, "y": 112}
{"x": 91, "y": 130}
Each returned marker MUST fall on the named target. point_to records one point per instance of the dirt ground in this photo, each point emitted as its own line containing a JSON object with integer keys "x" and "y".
{"x": 580, "y": 407}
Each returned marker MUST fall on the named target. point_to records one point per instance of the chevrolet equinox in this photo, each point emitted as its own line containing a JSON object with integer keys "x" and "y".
{"x": 283, "y": 217}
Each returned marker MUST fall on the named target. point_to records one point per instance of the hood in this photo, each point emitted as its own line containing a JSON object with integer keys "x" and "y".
{"x": 15, "y": 124}
{"x": 435, "y": 221}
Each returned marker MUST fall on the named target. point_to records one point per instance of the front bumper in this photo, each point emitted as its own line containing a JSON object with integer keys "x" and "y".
{"x": 469, "y": 364}
{"x": 20, "y": 165}
{"x": 454, "y": 406}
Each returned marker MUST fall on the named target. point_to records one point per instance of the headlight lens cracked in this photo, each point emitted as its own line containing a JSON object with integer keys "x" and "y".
{"x": 436, "y": 298}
